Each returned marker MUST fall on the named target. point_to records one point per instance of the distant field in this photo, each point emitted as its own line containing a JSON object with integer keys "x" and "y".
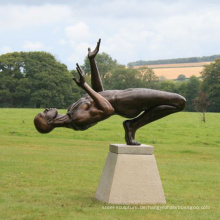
{"x": 172, "y": 71}
{"x": 55, "y": 176}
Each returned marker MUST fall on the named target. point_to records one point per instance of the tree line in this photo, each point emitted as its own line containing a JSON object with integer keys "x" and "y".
{"x": 34, "y": 80}
{"x": 174, "y": 61}
{"x": 38, "y": 80}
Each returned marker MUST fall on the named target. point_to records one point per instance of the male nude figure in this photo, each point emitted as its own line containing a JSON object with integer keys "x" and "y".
{"x": 142, "y": 106}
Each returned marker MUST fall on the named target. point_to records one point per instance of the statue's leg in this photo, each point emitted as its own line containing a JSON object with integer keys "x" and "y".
{"x": 130, "y": 133}
{"x": 153, "y": 114}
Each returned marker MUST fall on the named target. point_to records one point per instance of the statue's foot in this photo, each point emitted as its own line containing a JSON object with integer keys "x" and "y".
{"x": 129, "y": 134}
{"x": 133, "y": 142}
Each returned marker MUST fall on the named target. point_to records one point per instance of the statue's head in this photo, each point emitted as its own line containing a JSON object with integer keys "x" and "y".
{"x": 44, "y": 121}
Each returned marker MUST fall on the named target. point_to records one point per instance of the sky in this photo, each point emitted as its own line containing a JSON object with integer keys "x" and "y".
{"x": 130, "y": 30}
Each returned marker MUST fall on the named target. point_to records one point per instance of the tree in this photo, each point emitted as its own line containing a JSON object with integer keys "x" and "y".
{"x": 34, "y": 79}
{"x": 167, "y": 85}
{"x": 116, "y": 76}
{"x": 105, "y": 64}
{"x": 192, "y": 90}
{"x": 211, "y": 84}
{"x": 181, "y": 87}
{"x": 148, "y": 78}
{"x": 181, "y": 77}
{"x": 162, "y": 78}
{"x": 201, "y": 103}
{"x": 10, "y": 75}
{"x": 121, "y": 78}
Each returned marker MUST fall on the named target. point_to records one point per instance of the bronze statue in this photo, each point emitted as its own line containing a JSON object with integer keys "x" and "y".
{"x": 141, "y": 105}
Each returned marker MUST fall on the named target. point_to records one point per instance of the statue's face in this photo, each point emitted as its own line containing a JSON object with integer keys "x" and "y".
{"x": 49, "y": 114}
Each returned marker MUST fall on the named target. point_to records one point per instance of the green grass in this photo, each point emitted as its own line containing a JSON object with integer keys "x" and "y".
{"x": 55, "y": 176}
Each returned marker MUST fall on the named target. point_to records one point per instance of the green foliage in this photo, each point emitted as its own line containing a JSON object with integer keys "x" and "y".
{"x": 104, "y": 62}
{"x": 201, "y": 103}
{"x": 189, "y": 89}
{"x": 181, "y": 77}
{"x": 192, "y": 91}
{"x": 121, "y": 78}
{"x": 115, "y": 76}
{"x": 168, "y": 86}
{"x": 55, "y": 176}
{"x": 211, "y": 84}
{"x": 34, "y": 79}
{"x": 147, "y": 78}
{"x": 181, "y": 87}
{"x": 37, "y": 79}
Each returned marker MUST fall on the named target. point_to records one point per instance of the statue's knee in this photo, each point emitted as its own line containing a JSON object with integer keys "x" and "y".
{"x": 181, "y": 103}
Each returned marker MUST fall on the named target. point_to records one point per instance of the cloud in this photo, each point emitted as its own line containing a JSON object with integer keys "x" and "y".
{"x": 78, "y": 36}
{"x": 29, "y": 45}
{"x": 78, "y": 32}
{"x": 130, "y": 29}
{"x": 28, "y": 2}
{"x": 5, "y": 49}
{"x": 167, "y": 31}
{"x": 20, "y": 16}
{"x": 62, "y": 42}
{"x": 79, "y": 53}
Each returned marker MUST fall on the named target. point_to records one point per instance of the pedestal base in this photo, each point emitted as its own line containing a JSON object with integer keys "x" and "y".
{"x": 130, "y": 176}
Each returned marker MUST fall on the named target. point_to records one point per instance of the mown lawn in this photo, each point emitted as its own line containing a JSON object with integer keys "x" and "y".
{"x": 55, "y": 176}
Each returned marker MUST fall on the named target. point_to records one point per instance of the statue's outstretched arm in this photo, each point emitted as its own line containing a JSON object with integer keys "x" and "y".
{"x": 95, "y": 76}
{"x": 103, "y": 104}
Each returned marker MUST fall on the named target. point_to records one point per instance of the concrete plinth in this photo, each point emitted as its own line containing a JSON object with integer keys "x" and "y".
{"x": 130, "y": 176}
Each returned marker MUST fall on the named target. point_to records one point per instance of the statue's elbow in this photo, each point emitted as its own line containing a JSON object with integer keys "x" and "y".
{"x": 109, "y": 111}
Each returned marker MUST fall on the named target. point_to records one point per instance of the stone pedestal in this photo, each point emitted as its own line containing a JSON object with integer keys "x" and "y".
{"x": 130, "y": 176}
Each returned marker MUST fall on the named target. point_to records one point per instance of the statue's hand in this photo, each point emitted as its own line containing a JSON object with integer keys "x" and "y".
{"x": 81, "y": 80}
{"x": 92, "y": 54}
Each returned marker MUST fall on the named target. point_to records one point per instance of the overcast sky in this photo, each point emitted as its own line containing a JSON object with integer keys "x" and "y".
{"x": 130, "y": 30}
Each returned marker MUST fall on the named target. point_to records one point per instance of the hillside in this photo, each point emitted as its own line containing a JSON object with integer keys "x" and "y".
{"x": 174, "y": 61}
{"x": 172, "y": 71}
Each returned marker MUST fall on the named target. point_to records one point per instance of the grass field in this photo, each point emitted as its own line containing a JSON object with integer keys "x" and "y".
{"x": 172, "y": 71}
{"x": 55, "y": 176}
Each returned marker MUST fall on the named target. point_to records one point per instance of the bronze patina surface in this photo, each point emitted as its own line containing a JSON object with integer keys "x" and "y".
{"x": 142, "y": 106}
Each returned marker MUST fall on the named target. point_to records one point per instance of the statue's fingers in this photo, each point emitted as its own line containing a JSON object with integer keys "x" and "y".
{"x": 82, "y": 71}
{"x": 78, "y": 68}
{"x": 81, "y": 68}
{"x": 98, "y": 44}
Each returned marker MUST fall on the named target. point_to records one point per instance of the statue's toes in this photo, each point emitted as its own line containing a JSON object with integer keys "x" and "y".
{"x": 133, "y": 142}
